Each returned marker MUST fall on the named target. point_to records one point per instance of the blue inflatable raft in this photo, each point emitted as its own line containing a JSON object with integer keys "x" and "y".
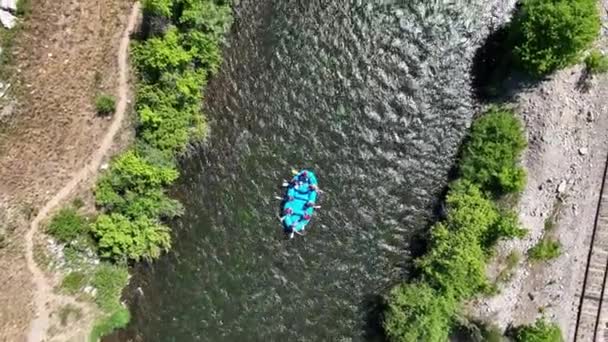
{"x": 299, "y": 202}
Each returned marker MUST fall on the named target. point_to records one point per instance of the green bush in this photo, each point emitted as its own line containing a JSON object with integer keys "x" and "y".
{"x": 117, "y": 320}
{"x": 506, "y": 227}
{"x": 550, "y": 34}
{"x": 545, "y": 249}
{"x": 109, "y": 280}
{"x": 540, "y": 331}
{"x": 131, "y": 173}
{"x": 417, "y": 313}
{"x": 73, "y": 282}
{"x": 120, "y": 238}
{"x": 490, "y": 155}
{"x": 105, "y": 104}
{"x": 67, "y": 225}
{"x": 596, "y": 62}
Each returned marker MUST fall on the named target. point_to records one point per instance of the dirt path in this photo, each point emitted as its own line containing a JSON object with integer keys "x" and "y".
{"x": 43, "y": 290}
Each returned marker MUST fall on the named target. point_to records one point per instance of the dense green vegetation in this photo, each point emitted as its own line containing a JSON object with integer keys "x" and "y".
{"x": 551, "y": 34}
{"x": 596, "y": 62}
{"x": 489, "y": 157}
{"x": 453, "y": 269}
{"x": 105, "y": 104}
{"x": 173, "y": 66}
{"x": 540, "y": 331}
{"x": 68, "y": 225}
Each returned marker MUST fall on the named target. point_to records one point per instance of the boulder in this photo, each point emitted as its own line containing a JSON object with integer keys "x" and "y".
{"x": 9, "y": 5}
{"x": 7, "y": 19}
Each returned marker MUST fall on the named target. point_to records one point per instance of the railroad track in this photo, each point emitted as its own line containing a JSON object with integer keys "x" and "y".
{"x": 592, "y": 316}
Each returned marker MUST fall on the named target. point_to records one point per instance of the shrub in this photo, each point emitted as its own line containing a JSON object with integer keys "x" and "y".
{"x": 67, "y": 225}
{"x": 121, "y": 239}
{"x": 545, "y": 249}
{"x": 105, "y": 104}
{"x": 490, "y": 155}
{"x": 596, "y": 62}
{"x": 209, "y": 17}
{"x": 506, "y": 227}
{"x": 455, "y": 263}
{"x": 73, "y": 282}
{"x": 550, "y": 35}
{"x": 540, "y": 331}
{"x": 131, "y": 173}
{"x": 417, "y": 313}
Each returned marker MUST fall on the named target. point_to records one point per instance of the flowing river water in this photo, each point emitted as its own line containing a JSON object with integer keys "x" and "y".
{"x": 375, "y": 97}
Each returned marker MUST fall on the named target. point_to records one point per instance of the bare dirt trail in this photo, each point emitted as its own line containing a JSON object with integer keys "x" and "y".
{"x": 43, "y": 290}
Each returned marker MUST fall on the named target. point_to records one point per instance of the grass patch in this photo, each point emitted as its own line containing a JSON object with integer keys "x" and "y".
{"x": 549, "y": 224}
{"x": 105, "y": 104}
{"x": 73, "y": 282}
{"x": 109, "y": 280}
{"x": 41, "y": 256}
{"x": 596, "y": 62}
{"x": 69, "y": 313}
{"x": 511, "y": 262}
{"x": 78, "y": 203}
{"x": 118, "y": 319}
{"x": 545, "y": 249}
{"x": 67, "y": 225}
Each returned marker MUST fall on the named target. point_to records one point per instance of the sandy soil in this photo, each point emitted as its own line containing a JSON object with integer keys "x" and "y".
{"x": 567, "y": 130}
{"x": 65, "y": 54}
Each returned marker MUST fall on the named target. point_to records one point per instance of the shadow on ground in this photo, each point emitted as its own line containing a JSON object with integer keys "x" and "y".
{"x": 495, "y": 75}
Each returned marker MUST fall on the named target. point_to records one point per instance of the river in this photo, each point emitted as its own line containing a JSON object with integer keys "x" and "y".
{"x": 375, "y": 97}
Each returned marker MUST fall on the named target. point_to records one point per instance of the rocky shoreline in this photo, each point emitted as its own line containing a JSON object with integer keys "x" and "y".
{"x": 566, "y": 127}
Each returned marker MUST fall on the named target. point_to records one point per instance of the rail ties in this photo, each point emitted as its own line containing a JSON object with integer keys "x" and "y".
{"x": 592, "y": 317}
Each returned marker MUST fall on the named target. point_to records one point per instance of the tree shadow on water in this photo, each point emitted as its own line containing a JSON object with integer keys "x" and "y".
{"x": 374, "y": 306}
{"x": 494, "y": 73}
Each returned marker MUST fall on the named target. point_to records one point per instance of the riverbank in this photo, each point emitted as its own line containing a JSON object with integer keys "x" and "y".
{"x": 565, "y": 162}
{"x": 59, "y": 62}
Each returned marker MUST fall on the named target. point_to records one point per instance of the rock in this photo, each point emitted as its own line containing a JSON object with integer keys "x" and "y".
{"x": 88, "y": 289}
{"x": 590, "y": 116}
{"x": 7, "y": 19}
{"x": 561, "y": 187}
{"x": 583, "y": 151}
{"x": 104, "y": 166}
{"x": 9, "y": 5}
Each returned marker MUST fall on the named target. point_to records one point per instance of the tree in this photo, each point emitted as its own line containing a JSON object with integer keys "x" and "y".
{"x": 490, "y": 155}
{"x": 550, "y": 34}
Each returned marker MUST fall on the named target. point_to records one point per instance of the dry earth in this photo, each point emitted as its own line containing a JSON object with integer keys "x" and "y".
{"x": 64, "y": 54}
{"x": 567, "y": 129}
